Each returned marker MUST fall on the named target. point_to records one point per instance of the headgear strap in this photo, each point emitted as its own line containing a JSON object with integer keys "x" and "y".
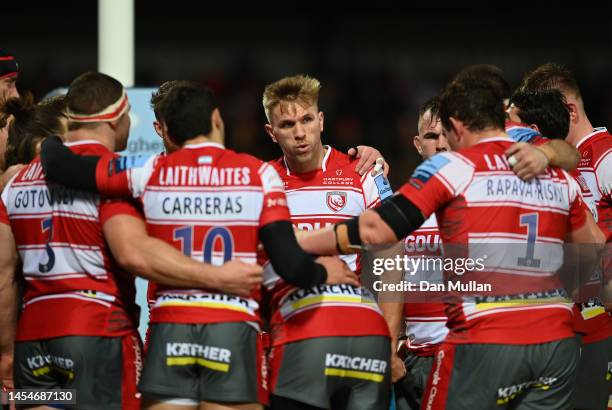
{"x": 108, "y": 114}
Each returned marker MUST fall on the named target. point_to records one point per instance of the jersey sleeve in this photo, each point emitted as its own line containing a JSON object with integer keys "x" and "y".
{"x": 373, "y": 192}
{"x": 124, "y": 176}
{"x": 577, "y": 215}
{"x": 519, "y": 133}
{"x": 112, "y": 207}
{"x": 4, "y": 219}
{"x": 437, "y": 181}
{"x": 3, "y": 205}
{"x": 603, "y": 171}
{"x": 274, "y": 207}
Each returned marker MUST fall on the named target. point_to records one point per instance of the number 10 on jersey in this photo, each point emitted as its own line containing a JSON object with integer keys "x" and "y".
{"x": 185, "y": 236}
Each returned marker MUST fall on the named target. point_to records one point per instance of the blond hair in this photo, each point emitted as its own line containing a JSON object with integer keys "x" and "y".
{"x": 291, "y": 89}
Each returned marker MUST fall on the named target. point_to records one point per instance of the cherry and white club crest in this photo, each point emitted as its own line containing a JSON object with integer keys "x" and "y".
{"x": 336, "y": 200}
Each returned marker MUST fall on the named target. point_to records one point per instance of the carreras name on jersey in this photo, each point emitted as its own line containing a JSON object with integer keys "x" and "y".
{"x": 201, "y": 205}
{"x": 231, "y": 206}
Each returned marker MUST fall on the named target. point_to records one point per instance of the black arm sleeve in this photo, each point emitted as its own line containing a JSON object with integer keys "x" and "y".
{"x": 401, "y": 215}
{"x": 63, "y": 166}
{"x": 289, "y": 260}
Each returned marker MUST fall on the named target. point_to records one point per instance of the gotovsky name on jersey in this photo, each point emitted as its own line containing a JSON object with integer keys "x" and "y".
{"x": 40, "y": 196}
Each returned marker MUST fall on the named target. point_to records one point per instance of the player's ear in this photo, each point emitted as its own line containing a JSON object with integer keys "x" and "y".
{"x": 114, "y": 124}
{"x": 573, "y": 112}
{"x": 270, "y": 131}
{"x": 456, "y": 126}
{"x": 321, "y": 118}
{"x": 216, "y": 120}
{"x": 417, "y": 144}
{"x": 158, "y": 128}
{"x": 534, "y": 127}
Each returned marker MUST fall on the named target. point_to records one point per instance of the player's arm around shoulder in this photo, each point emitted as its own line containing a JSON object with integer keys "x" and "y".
{"x": 529, "y": 161}
{"x": 155, "y": 260}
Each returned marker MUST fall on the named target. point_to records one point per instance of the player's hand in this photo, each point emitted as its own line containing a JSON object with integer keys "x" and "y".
{"x": 239, "y": 278}
{"x": 337, "y": 271}
{"x": 6, "y": 371}
{"x": 398, "y": 368}
{"x": 367, "y": 157}
{"x": 8, "y": 174}
{"x": 526, "y": 161}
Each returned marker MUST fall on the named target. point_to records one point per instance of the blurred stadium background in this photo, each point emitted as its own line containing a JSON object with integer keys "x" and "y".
{"x": 377, "y": 64}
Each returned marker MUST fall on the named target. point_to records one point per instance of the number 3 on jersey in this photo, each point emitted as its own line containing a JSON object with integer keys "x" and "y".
{"x": 185, "y": 236}
{"x": 47, "y": 225}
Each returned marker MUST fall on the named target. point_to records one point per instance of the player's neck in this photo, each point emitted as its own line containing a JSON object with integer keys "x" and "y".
{"x": 315, "y": 163}
{"x": 478, "y": 136}
{"x": 200, "y": 139}
{"x": 579, "y": 131}
{"x": 105, "y": 137}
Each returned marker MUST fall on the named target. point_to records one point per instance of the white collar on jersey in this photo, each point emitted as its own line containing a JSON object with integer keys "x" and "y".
{"x": 323, "y": 164}
{"x": 204, "y": 144}
{"x": 596, "y": 130}
{"x": 83, "y": 142}
{"x": 497, "y": 138}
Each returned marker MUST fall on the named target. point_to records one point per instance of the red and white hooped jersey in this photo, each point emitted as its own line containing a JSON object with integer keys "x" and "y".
{"x": 209, "y": 202}
{"x": 595, "y": 171}
{"x": 596, "y": 168}
{"x": 318, "y": 199}
{"x": 425, "y": 322}
{"x": 485, "y": 208}
{"x": 72, "y": 284}
{"x": 590, "y": 318}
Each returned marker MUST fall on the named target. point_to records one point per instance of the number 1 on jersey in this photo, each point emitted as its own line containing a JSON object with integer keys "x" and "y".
{"x": 531, "y": 222}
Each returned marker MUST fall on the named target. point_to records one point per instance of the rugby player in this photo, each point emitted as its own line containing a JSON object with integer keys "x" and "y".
{"x": 9, "y": 71}
{"x": 215, "y": 204}
{"x": 77, "y": 300}
{"x": 330, "y": 344}
{"x": 594, "y": 378}
{"x": 493, "y": 354}
{"x": 425, "y": 323}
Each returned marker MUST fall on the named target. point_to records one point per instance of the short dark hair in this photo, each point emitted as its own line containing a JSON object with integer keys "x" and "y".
{"x": 55, "y": 102}
{"x": 163, "y": 90}
{"x": 31, "y": 124}
{"x": 546, "y": 109}
{"x": 187, "y": 111}
{"x": 474, "y": 103}
{"x": 551, "y": 76}
{"x": 491, "y": 74}
{"x": 90, "y": 93}
{"x": 432, "y": 105}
